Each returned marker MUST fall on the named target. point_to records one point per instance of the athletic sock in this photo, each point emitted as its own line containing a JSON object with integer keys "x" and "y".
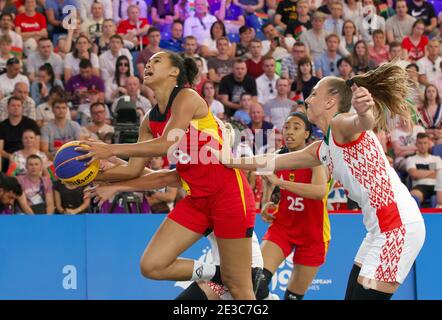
{"x": 288, "y": 295}
{"x": 193, "y": 292}
{"x": 360, "y": 293}
{"x": 262, "y": 290}
{"x": 203, "y": 271}
{"x": 352, "y": 281}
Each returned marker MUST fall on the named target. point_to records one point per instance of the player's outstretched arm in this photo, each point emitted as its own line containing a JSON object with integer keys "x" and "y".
{"x": 155, "y": 180}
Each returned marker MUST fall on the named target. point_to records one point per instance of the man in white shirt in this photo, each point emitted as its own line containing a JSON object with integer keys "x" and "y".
{"x": 266, "y": 83}
{"x": 334, "y": 23}
{"x": 86, "y": 11}
{"x": 93, "y": 25}
{"x": 44, "y": 54}
{"x": 399, "y": 26}
{"x": 276, "y": 45}
{"x": 11, "y": 77}
{"x": 200, "y": 23}
{"x": 108, "y": 59}
{"x": 429, "y": 66}
{"x": 422, "y": 169}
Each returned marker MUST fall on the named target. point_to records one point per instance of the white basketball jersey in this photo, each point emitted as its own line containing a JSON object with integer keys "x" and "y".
{"x": 363, "y": 169}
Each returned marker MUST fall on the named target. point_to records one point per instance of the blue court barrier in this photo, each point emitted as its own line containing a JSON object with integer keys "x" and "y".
{"x": 97, "y": 257}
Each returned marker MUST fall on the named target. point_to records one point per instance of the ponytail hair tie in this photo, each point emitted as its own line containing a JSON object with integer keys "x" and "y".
{"x": 349, "y": 83}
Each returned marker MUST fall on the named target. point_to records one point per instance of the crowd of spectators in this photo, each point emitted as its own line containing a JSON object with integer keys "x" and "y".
{"x": 66, "y": 66}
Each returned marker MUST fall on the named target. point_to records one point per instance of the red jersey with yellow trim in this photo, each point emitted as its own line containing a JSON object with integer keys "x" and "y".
{"x": 305, "y": 220}
{"x": 199, "y": 177}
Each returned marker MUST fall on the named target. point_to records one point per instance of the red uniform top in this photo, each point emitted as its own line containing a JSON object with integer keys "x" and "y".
{"x": 199, "y": 177}
{"x": 415, "y": 52}
{"x": 305, "y": 220}
{"x": 31, "y": 24}
{"x": 125, "y": 26}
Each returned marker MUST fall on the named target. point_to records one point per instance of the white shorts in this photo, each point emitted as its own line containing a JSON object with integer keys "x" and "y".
{"x": 389, "y": 256}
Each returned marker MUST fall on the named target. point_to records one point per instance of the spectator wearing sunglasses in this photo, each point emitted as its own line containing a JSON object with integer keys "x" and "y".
{"x": 326, "y": 63}
{"x": 266, "y": 83}
{"x": 429, "y": 70}
{"x": 115, "y": 86}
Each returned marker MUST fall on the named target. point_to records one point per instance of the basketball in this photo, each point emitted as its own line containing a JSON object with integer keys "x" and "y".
{"x": 72, "y": 171}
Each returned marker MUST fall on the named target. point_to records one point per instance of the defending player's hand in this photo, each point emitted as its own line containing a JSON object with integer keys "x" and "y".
{"x": 94, "y": 150}
{"x": 362, "y": 100}
{"x": 271, "y": 179}
{"x": 224, "y": 155}
{"x": 266, "y": 216}
{"x": 101, "y": 192}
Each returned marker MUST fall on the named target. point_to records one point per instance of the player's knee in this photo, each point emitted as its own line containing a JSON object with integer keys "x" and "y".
{"x": 151, "y": 269}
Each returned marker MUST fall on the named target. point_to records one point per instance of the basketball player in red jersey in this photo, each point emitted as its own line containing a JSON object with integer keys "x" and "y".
{"x": 300, "y": 221}
{"x": 180, "y": 118}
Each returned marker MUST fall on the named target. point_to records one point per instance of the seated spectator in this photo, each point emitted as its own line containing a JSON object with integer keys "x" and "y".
{"x": 315, "y": 37}
{"x": 429, "y": 70}
{"x": 114, "y": 87}
{"x": 109, "y": 58}
{"x": 422, "y": 169}
{"x": 21, "y": 91}
{"x": 70, "y": 200}
{"x": 345, "y": 68}
{"x": 370, "y": 22}
{"x": 241, "y": 49}
{"x": 200, "y": 23}
{"x": 276, "y": 110}
{"x": 256, "y": 60}
{"x": 102, "y": 43}
{"x": 349, "y": 37}
{"x": 260, "y": 129}
{"x": 400, "y": 25}
{"x": 208, "y": 93}
{"x": 93, "y": 26}
{"x": 334, "y": 23}
{"x": 289, "y": 65}
{"x": 326, "y": 64}
{"x": 201, "y": 77}
{"x": 135, "y": 27}
{"x": 417, "y": 91}
{"x": 87, "y": 10}
{"x": 82, "y": 51}
{"x": 250, "y": 9}
{"x": 276, "y": 45}
{"x": 396, "y": 51}
{"x": 133, "y": 91}
{"x": 44, "y": 111}
{"x": 123, "y": 13}
{"x": 10, "y": 190}
{"x": 302, "y": 23}
{"x": 37, "y": 197}
{"x": 266, "y": 83}
{"x": 285, "y": 13}
{"x": 11, "y": 130}
{"x": 230, "y": 14}
{"x": 154, "y": 36}
{"x": 379, "y": 51}
{"x": 243, "y": 114}
{"x": 305, "y": 80}
{"x": 31, "y": 145}
{"x": 31, "y": 25}
{"x": 7, "y": 28}
{"x": 416, "y": 42}
{"x": 423, "y": 10}
{"x": 161, "y": 200}
{"x": 44, "y": 83}
{"x": 55, "y": 15}
{"x": 44, "y": 54}
{"x": 12, "y": 76}
{"x": 65, "y": 42}
{"x": 175, "y": 42}
{"x": 80, "y": 85}
{"x": 403, "y": 140}
{"x": 361, "y": 62}
{"x": 5, "y": 52}
{"x": 163, "y": 15}
{"x": 99, "y": 129}
{"x": 209, "y": 48}
{"x": 431, "y": 114}
{"x": 190, "y": 51}
{"x": 57, "y": 132}
{"x": 233, "y": 85}
{"x": 221, "y": 64}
